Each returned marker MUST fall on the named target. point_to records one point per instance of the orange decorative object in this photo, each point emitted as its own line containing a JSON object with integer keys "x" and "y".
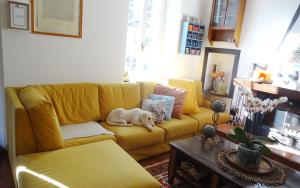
{"x": 215, "y": 75}
{"x": 221, "y": 74}
{"x": 262, "y": 75}
{"x": 191, "y": 27}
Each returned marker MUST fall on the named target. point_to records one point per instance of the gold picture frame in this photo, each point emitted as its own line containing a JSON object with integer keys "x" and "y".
{"x": 57, "y": 17}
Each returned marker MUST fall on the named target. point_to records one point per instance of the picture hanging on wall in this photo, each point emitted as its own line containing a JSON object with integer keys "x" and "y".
{"x": 57, "y": 17}
{"x": 19, "y": 15}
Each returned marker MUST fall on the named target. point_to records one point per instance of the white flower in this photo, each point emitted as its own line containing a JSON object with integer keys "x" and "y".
{"x": 264, "y": 110}
{"x": 283, "y": 99}
{"x": 270, "y": 108}
{"x": 254, "y": 104}
{"x": 257, "y": 102}
{"x": 266, "y": 102}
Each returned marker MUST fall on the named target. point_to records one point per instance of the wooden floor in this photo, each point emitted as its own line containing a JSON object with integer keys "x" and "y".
{"x": 6, "y": 177}
{"x": 155, "y": 159}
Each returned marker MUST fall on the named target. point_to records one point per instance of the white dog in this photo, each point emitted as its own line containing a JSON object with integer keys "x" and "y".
{"x": 136, "y": 116}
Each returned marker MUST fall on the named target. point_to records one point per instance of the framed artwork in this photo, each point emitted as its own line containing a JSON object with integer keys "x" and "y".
{"x": 57, "y": 17}
{"x": 18, "y": 15}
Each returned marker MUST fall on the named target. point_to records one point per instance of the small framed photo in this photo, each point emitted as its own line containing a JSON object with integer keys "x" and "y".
{"x": 18, "y": 15}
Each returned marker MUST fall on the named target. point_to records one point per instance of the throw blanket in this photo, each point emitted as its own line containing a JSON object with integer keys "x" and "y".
{"x": 83, "y": 130}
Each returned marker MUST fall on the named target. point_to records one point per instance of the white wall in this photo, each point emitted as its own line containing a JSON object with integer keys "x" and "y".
{"x": 265, "y": 23}
{"x": 97, "y": 57}
{"x": 175, "y": 64}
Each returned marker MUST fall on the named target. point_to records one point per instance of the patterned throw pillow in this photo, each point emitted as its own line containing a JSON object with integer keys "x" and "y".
{"x": 169, "y": 101}
{"x": 157, "y": 107}
{"x": 179, "y": 95}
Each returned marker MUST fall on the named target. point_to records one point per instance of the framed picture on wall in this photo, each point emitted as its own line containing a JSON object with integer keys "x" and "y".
{"x": 18, "y": 15}
{"x": 57, "y": 17}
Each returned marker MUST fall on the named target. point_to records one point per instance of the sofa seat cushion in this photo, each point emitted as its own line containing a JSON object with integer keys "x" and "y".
{"x": 179, "y": 127}
{"x": 136, "y": 136}
{"x": 101, "y": 164}
{"x": 205, "y": 117}
{"x": 74, "y": 103}
{"x": 87, "y": 140}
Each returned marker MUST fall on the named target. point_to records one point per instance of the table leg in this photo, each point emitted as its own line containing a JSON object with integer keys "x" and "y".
{"x": 214, "y": 181}
{"x": 172, "y": 166}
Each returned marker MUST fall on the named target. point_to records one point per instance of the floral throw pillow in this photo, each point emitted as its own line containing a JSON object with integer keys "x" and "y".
{"x": 169, "y": 104}
{"x": 157, "y": 107}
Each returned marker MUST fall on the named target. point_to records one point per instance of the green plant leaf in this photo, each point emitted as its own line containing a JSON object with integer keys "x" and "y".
{"x": 263, "y": 139}
{"x": 241, "y": 136}
{"x": 233, "y": 137}
{"x": 263, "y": 149}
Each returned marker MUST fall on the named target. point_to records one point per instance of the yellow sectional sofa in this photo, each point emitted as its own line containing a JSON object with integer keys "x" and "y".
{"x": 100, "y": 164}
{"x": 84, "y": 102}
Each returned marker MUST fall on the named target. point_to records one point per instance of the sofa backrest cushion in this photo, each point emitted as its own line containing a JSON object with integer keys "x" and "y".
{"x": 190, "y": 105}
{"x": 147, "y": 88}
{"x": 199, "y": 92}
{"x": 43, "y": 119}
{"x": 113, "y": 96}
{"x": 74, "y": 103}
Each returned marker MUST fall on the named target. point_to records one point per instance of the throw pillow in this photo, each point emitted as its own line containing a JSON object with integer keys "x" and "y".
{"x": 156, "y": 107}
{"x": 179, "y": 95}
{"x": 190, "y": 105}
{"x": 169, "y": 101}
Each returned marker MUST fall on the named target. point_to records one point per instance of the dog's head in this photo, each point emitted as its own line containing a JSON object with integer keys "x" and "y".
{"x": 148, "y": 118}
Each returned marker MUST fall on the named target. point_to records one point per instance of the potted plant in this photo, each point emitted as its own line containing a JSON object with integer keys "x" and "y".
{"x": 250, "y": 150}
{"x": 256, "y": 110}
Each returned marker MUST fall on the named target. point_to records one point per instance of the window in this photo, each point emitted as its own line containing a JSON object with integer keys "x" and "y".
{"x": 142, "y": 48}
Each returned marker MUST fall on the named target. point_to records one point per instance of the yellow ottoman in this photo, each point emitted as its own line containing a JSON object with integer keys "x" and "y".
{"x": 98, "y": 165}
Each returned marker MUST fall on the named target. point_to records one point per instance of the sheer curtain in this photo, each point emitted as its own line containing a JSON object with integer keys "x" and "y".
{"x": 143, "y": 33}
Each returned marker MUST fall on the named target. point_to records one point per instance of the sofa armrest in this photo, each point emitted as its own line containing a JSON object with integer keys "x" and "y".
{"x": 206, "y": 103}
{"x": 20, "y": 138}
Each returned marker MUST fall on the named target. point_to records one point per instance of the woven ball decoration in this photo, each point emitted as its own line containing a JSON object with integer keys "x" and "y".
{"x": 209, "y": 131}
{"x": 218, "y": 106}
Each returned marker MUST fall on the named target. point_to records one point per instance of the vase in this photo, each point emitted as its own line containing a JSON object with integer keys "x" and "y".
{"x": 248, "y": 158}
{"x": 253, "y": 124}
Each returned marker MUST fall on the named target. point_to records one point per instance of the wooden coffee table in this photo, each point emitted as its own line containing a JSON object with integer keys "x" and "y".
{"x": 204, "y": 160}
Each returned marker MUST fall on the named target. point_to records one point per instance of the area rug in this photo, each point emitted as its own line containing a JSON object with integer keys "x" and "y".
{"x": 159, "y": 170}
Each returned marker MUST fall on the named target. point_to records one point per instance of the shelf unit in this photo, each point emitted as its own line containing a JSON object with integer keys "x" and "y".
{"x": 191, "y": 40}
{"x": 226, "y": 21}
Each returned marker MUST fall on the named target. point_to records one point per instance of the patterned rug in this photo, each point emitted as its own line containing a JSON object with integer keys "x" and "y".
{"x": 159, "y": 170}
